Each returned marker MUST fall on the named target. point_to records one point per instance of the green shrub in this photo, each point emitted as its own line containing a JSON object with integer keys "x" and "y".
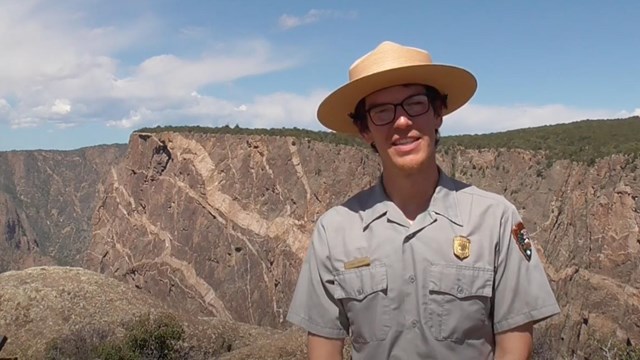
{"x": 80, "y": 344}
{"x": 582, "y": 141}
{"x": 146, "y": 337}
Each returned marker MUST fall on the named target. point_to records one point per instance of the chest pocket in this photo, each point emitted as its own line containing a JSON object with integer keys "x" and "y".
{"x": 458, "y": 302}
{"x": 363, "y": 294}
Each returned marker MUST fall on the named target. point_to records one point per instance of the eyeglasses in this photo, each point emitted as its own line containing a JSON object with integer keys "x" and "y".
{"x": 414, "y": 105}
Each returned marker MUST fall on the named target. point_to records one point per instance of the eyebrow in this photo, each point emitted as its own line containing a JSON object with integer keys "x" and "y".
{"x": 374, "y": 104}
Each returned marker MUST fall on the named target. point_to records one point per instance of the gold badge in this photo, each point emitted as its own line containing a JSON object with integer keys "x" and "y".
{"x": 461, "y": 247}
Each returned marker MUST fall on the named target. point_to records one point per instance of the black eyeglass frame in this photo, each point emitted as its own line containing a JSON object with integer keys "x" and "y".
{"x": 395, "y": 109}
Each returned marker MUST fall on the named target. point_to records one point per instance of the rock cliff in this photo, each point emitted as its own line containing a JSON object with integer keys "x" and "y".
{"x": 216, "y": 225}
{"x": 585, "y": 221}
{"x": 47, "y": 199}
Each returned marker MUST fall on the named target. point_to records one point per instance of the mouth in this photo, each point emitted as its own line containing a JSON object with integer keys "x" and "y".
{"x": 406, "y": 146}
{"x": 404, "y": 141}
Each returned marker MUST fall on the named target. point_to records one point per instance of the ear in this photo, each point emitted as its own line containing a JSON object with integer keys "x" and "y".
{"x": 366, "y": 136}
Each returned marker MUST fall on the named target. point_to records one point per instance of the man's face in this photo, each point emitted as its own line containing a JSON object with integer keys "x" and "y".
{"x": 407, "y": 143}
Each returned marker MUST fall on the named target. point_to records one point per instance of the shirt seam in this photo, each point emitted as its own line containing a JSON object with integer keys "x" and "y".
{"x": 313, "y": 327}
{"x": 533, "y": 315}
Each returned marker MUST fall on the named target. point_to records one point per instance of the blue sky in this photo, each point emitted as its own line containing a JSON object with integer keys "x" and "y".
{"x": 84, "y": 72}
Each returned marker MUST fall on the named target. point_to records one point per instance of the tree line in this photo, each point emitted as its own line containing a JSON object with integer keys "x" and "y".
{"x": 582, "y": 141}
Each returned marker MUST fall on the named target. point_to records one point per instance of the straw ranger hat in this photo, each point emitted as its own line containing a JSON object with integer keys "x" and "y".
{"x": 392, "y": 64}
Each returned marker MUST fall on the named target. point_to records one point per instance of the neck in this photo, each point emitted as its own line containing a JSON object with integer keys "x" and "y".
{"x": 411, "y": 193}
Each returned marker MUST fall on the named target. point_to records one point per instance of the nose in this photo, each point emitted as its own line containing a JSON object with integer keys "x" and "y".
{"x": 403, "y": 119}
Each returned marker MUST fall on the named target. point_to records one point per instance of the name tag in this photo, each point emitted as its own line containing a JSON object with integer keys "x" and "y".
{"x": 357, "y": 263}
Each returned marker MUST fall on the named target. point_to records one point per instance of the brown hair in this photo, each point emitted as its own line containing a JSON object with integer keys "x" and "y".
{"x": 437, "y": 100}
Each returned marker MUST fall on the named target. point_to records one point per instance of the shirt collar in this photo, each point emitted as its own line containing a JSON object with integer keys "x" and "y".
{"x": 443, "y": 202}
{"x": 380, "y": 204}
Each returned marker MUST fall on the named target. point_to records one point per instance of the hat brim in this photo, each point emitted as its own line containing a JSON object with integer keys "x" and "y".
{"x": 458, "y": 84}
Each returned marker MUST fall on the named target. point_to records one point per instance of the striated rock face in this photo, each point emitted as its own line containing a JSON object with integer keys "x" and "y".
{"x": 47, "y": 199}
{"x": 217, "y": 225}
{"x": 585, "y": 222}
{"x": 18, "y": 242}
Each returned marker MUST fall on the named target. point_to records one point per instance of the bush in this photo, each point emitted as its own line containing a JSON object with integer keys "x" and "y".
{"x": 145, "y": 337}
{"x": 80, "y": 344}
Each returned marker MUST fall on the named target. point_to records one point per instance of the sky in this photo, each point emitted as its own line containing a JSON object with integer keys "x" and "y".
{"x": 78, "y": 73}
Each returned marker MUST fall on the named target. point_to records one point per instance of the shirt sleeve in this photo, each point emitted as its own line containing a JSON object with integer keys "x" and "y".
{"x": 522, "y": 292}
{"x": 312, "y": 306}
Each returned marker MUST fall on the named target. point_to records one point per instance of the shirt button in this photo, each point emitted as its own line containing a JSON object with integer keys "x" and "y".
{"x": 359, "y": 291}
{"x": 460, "y": 290}
{"x": 412, "y": 279}
{"x": 414, "y": 323}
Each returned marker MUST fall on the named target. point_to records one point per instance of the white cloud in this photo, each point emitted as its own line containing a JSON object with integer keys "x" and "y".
{"x": 624, "y": 114}
{"x": 46, "y": 44}
{"x": 289, "y": 22}
{"x": 269, "y": 111}
{"x": 194, "y": 32}
{"x": 286, "y": 21}
{"x": 58, "y": 68}
{"x": 171, "y": 76}
{"x": 282, "y": 110}
{"x": 135, "y": 118}
{"x": 25, "y": 122}
{"x": 477, "y": 119}
{"x": 61, "y": 107}
{"x": 4, "y": 106}
{"x": 65, "y": 125}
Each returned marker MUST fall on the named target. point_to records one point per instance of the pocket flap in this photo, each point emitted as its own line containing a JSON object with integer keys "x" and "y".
{"x": 461, "y": 281}
{"x": 359, "y": 283}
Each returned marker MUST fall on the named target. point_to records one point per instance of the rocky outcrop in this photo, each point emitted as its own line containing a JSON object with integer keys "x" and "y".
{"x": 217, "y": 225}
{"x": 43, "y": 304}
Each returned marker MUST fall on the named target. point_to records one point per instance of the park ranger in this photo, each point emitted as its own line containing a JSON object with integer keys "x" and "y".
{"x": 420, "y": 265}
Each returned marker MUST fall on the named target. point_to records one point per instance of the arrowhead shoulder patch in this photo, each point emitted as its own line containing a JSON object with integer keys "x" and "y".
{"x": 521, "y": 237}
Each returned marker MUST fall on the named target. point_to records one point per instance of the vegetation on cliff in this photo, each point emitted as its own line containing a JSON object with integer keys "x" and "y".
{"x": 146, "y": 337}
{"x": 295, "y": 132}
{"x": 582, "y": 141}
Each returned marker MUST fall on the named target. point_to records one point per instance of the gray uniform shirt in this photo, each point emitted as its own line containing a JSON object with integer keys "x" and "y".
{"x": 399, "y": 289}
